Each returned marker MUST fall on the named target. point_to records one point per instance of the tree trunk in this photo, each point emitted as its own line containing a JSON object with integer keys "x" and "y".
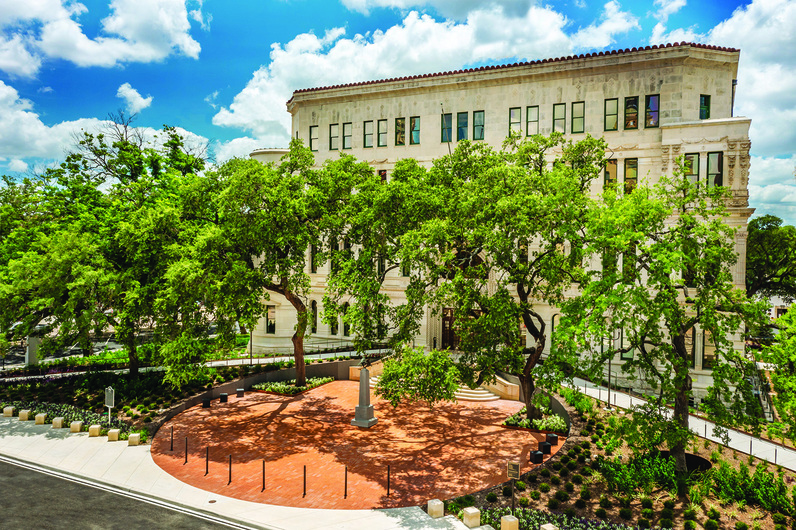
{"x": 528, "y": 387}
{"x": 298, "y": 336}
{"x": 680, "y": 418}
{"x": 132, "y": 354}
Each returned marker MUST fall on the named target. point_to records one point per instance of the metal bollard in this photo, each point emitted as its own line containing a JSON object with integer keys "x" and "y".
{"x": 186, "y": 451}
{"x": 172, "y": 439}
{"x": 230, "y": 470}
{"x": 207, "y": 460}
{"x": 305, "y": 481}
{"x": 388, "y": 480}
{"x": 345, "y": 487}
{"x": 263, "y": 476}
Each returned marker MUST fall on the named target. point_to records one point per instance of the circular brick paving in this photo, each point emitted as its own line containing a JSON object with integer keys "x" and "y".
{"x": 440, "y": 452}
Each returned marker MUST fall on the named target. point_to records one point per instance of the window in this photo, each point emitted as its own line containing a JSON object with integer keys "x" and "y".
{"x": 611, "y": 114}
{"x": 347, "y": 133}
{"x": 461, "y": 126}
{"x": 334, "y": 137}
{"x": 560, "y": 117}
{"x": 515, "y": 119}
{"x": 704, "y": 107}
{"x": 690, "y": 345}
{"x": 383, "y": 175}
{"x": 578, "y": 112}
{"x": 631, "y": 175}
{"x": 625, "y": 355}
{"x": 368, "y": 134}
{"x": 478, "y": 125}
{"x": 346, "y": 325}
{"x": 270, "y": 319}
{"x": 313, "y": 317}
{"x": 446, "y": 124}
{"x": 631, "y": 112}
{"x": 651, "y": 111}
{"x": 381, "y": 265}
{"x": 715, "y": 166}
{"x": 405, "y": 269}
{"x": 610, "y": 173}
{"x": 334, "y": 326}
{"x": 400, "y": 131}
{"x": 313, "y": 258}
{"x": 414, "y": 130}
{"x": 382, "y": 133}
{"x": 532, "y": 120}
{"x": 313, "y": 137}
{"x": 708, "y": 351}
{"x": 691, "y": 167}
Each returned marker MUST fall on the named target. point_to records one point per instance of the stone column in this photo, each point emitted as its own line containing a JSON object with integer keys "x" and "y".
{"x": 32, "y": 352}
{"x": 363, "y": 415}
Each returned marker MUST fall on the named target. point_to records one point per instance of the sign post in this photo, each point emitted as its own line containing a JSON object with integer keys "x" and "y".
{"x": 513, "y": 471}
{"x": 109, "y": 401}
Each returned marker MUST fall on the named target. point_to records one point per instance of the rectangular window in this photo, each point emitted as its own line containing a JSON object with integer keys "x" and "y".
{"x": 478, "y": 125}
{"x": 708, "y": 351}
{"x": 446, "y": 126}
{"x": 715, "y": 169}
{"x": 611, "y": 114}
{"x": 704, "y": 107}
{"x": 334, "y": 137}
{"x": 400, "y": 131}
{"x": 313, "y": 137}
{"x": 691, "y": 167}
{"x": 382, "y": 133}
{"x": 414, "y": 130}
{"x": 461, "y": 126}
{"x": 532, "y": 120}
{"x": 515, "y": 119}
{"x": 626, "y": 355}
{"x": 314, "y": 316}
{"x": 348, "y": 131}
{"x": 383, "y": 175}
{"x": 631, "y": 175}
{"x": 578, "y": 116}
{"x": 313, "y": 258}
{"x": 368, "y": 134}
{"x": 270, "y": 320}
{"x": 631, "y": 112}
{"x": 651, "y": 111}
{"x": 405, "y": 269}
{"x": 560, "y": 117}
{"x": 610, "y": 178}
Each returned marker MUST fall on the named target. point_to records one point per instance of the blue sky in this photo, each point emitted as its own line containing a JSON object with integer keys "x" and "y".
{"x": 221, "y": 70}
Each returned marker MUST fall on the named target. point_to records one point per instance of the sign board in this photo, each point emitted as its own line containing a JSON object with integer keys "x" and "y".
{"x": 513, "y": 470}
{"x": 109, "y": 397}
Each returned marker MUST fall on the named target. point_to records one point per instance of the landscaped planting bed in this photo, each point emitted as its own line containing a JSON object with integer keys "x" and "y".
{"x": 289, "y": 388}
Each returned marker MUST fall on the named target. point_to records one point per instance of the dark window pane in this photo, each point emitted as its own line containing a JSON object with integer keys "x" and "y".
{"x": 400, "y": 131}
{"x": 478, "y": 125}
{"x": 631, "y": 112}
{"x": 447, "y": 127}
{"x": 461, "y": 126}
{"x": 651, "y": 112}
{"x": 414, "y": 130}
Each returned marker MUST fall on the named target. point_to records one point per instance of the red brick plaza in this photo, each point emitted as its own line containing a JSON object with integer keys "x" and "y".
{"x": 450, "y": 450}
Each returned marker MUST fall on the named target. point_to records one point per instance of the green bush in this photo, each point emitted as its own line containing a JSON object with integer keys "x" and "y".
{"x": 544, "y": 487}
{"x": 669, "y": 505}
{"x": 545, "y": 472}
{"x": 289, "y": 388}
{"x": 520, "y": 485}
{"x": 643, "y": 523}
{"x": 713, "y": 513}
{"x": 507, "y": 490}
{"x": 585, "y": 444}
{"x": 577, "y": 479}
{"x": 624, "y": 502}
{"x": 555, "y": 480}
{"x": 780, "y": 527}
{"x": 531, "y": 477}
{"x": 535, "y": 495}
{"x": 778, "y": 518}
{"x": 562, "y": 495}
{"x": 711, "y": 524}
{"x": 740, "y": 525}
{"x": 524, "y": 502}
{"x": 581, "y": 459}
{"x": 570, "y": 487}
{"x": 690, "y": 514}
{"x": 601, "y": 513}
{"x": 580, "y": 503}
{"x": 564, "y": 459}
{"x": 666, "y": 523}
{"x": 646, "y": 502}
{"x": 564, "y": 472}
{"x": 689, "y": 525}
{"x": 491, "y": 496}
{"x": 585, "y": 494}
{"x": 625, "y": 513}
{"x": 571, "y": 465}
{"x": 556, "y": 465}
{"x": 666, "y": 513}
{"x": 647, "y": 513}
{"x": 553, "y": 503}
{"x": 605, "y": 502}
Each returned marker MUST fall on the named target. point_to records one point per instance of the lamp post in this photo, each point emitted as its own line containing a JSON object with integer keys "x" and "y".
{"x": 614, "y": 337}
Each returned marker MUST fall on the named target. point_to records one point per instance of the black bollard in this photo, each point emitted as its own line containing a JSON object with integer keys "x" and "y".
{"x": 263, "y": 476}
{"x": 305, "y": 481}
{"x": 172, "y": 439}
{"x": 388, "y": 480}
{"x": 230, "y": 470}
{"x": 207, "y": 460}
{"x": 345, "y": 487}
{"x": 186, "y": 451}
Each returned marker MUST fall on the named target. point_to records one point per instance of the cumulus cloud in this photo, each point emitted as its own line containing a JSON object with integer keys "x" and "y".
{"x": 456, "y": 9}
{"x": 17, "y": 165}
{"x": 666, "y": 8}
{"x": 613, "y": 21}
{"x": 135, "y": 102}
{"x": 134, "y": 31}
{"x": 241, "y": 147}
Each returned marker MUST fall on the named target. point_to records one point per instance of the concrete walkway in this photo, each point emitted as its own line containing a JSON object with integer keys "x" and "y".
{"x": 739, "y": 441}
{"x": 126, "y": 470}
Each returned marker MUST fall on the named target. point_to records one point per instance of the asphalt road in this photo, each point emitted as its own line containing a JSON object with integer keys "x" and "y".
{"x": 33, "y": 500}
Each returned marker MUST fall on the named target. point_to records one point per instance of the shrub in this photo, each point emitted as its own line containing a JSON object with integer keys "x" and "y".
{"x": 553, "y": 503}
{"x": 544, "y": 487}
{"x": 581, "y": 459}
{"x": 577, "y": 479}
{"x": 520, "y": 485}
{"x": 605, "y": 502}
{"x": 666, "y": 513}
{"x": 646, "y": 502}
{"x": 740, "y": 525}
{"x": 491, "y": 496}
{"x": 524, "y": 502}
{"x": 562, "y": 495}
{"x": 545, "y": 472}
{"x": 587, "y": 453}
{"x": 690, "y": 514}
{"x": 643, "y": 523}
{"x": 625, "y": 513}
{"x": 555, "y": 480}
{"x": 535, "y": 495}
{"x": 507, "y": 490}
{"x": 624, "y": 502}
{"x": 564, "y": 472}
{"x": 565, "y": 459}
{"x": 585, "y": 444}
{"x": 669, "y": 505}
{"x": 570, "y": 487}
{"x": 778, "y": 518}
{"x": 584, "y": 432}
{"x": 580, "y": 503}
{"x": 585, "y": 494}
{"x": 601, "y": 513}
{"x": 647, "y": 513}
{"x": 689, "y": 525}
{"x": 666, "y": 523}
{"x": 571, "y": 465}
{"x": 531, "y": 477}
{"x": 594, "y": 438}
{"x": 711, "y": 524}
{"x": 577, "y": 449}
{"x": 557, "y": 465}
{"x": 713, "y": 513}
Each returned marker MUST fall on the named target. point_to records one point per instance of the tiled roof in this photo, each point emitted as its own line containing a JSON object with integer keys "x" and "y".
{"x": 514, "y": 65}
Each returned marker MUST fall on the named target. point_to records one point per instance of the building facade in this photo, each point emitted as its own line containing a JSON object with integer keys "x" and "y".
{"x": 652, "y": 105}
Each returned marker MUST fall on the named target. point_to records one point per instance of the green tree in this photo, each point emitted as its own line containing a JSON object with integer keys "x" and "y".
{"x": 771, "y": 258}
{"x": 673, "y": 285}
{"x": 781, "y": 358}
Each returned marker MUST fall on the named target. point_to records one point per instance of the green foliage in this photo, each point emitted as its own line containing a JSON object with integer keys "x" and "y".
{"x": 491, "y": 496}
{"x": 523, "y": 502}
{"x": 544, "y": 487}
{"x": 551, "y": 423}
{"x": 562, "y": 496}
{"x": 643, "y": 523}
{"x": 601, "y": 513}
{"x": 761, "y": 488}
{"x": 535, "y": 495}
{"x": 638, "y": 473}
{"x": 507, "y": 490}
{"x": 689, "y": 525}
{"x": 289, "y": 388}
{"x": 553, "y": 503}
{"x": 520, "y": 485}
{"x": 710, "y": 524}
{"x": 740, "y": 525}
{"x": 625, "y": 513}
{"x": 414, "y": 374}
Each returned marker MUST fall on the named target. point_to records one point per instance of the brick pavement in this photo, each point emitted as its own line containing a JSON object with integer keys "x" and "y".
{"x": 450, "y": 450}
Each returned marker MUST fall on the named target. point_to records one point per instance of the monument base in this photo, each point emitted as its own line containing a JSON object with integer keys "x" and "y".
{"x": 363, "y": 417}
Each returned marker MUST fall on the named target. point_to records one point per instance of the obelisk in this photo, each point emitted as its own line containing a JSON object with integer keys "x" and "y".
{"x": 363, "y": 414}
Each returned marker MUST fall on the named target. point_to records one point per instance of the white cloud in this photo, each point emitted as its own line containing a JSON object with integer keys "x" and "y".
{"x": 456, "y": 9}
{"x": 17, "y": 165}
{"x": 135, "y": 102}
{"x": 241, "y": 147}
{"x": 211, "y": 98}
{"x": 45, "y": 90}
{"x": 666, "y": 8}
{"x": 419, "y": 44}
{"x": 134, "y": 31}
{"x": 612, "y": 22}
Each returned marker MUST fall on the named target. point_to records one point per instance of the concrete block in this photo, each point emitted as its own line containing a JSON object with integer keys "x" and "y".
{"x": 24, "y": 415}
{"x": 93, "y": 431}
{"x": 8, "y": 411}
{"x": 134, "y": 439}
{"x": 548, "y": 526}
{"x": 76, "y": 426}
{"x": 113, "y": 435}
{"x": 239, "y": 392}
{"x": 40, "y": 418}
{"x": 58, "y": 423}
{"x": 471, "y": 516}
{"x": 509, "y": 522}
{"x": 436, "y": 508}
{"x": 224, "y": 397}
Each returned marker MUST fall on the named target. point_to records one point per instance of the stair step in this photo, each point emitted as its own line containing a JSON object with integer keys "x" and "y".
{"x": 463, "y": 393}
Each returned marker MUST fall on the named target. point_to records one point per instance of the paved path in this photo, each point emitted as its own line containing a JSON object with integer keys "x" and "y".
{"x": 740, "y": 441}
{"x": 117, "y": 467}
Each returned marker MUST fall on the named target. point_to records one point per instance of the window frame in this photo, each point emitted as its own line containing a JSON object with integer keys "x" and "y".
{"x": 582, "y": 117}
{"x": 704, "y": 106}
{"x": 529, "y": 121}
{"x": 462, "y": 129}
{"x": 515, "y": 124}
{"x": 381, "y": 135}
{"x": 627, "y": 114}
{"x": 607, "y": 181}
{"x": 348, "y": 136}
{"x": 444, "y": 129}
{"x": 688, "y": 170}
{"x": 414, "y": 127}
{"x": 615, "y": 114}
{"x": 479, "y": 129}
{"x": 400, "y": 131}
{"x": 314, "y": 138}
{"x": 711, "y": 363}
{"x": 562, "y": 120}
{"x": 334, "y": 136}
{"x": 270, "y": 320}
{"x": 313, "y": 316}
{"x": 648, "y": 112}
{"x": 625, "y": 180}
{"x": 367, "y": 135}
{"x": 711, "y": 176}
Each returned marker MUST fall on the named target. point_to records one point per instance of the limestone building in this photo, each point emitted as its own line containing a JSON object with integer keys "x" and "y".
{"x": 652, "y": 105}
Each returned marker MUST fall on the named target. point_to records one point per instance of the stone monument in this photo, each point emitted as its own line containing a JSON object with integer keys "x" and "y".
{"x": 32, "y": 351}
{"x": 363, "y": 414}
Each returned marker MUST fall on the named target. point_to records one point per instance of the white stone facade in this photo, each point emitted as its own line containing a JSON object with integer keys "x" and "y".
{"x": 690, "y": 86}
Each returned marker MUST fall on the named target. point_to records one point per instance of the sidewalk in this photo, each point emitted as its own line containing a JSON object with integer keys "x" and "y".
{"x": 131, "y": 471}
{"x": 740, "y": 441}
